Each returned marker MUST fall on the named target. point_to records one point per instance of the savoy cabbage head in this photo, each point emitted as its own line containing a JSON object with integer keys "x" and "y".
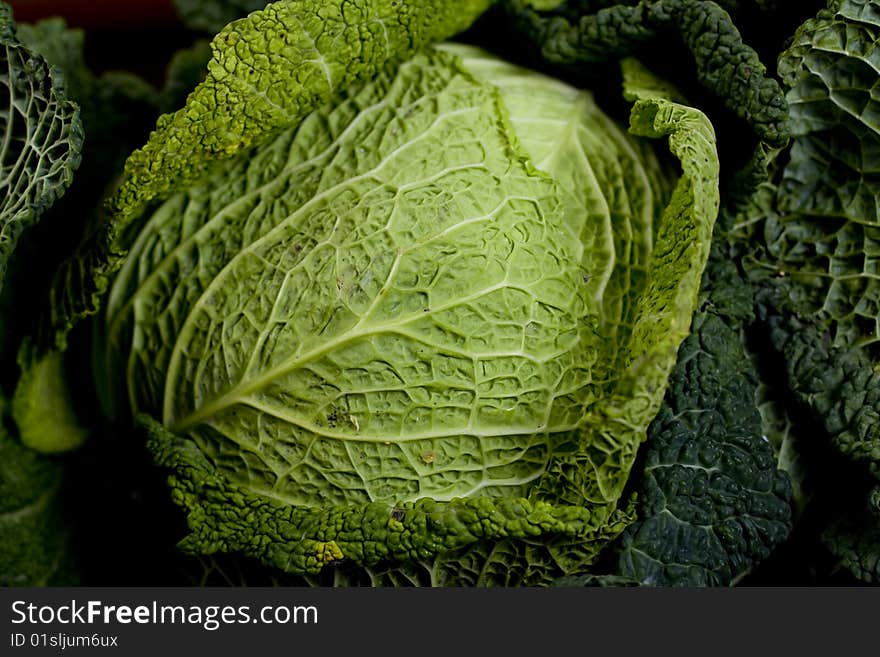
{"x": 380, "y": 306}
{"x": 429, "y": 314}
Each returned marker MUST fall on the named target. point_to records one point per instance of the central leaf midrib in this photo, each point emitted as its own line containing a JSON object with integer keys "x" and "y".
{"x": 355, "y": 332}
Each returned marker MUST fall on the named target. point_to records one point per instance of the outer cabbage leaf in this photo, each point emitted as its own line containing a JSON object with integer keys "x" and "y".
{"x": 725, "y": 65}
{"x": 43, "y": 408}
{"x": 407, "y": 339}
{"x": 855, "y": 540}
{"x": 838, "y": 383}
{"x": 41, "y": 138}
{"x": 423, "y": 344}
{"x": 816, "y": 229}
{"x": 279, "y": 64}
{"x": 117, "y": 110}
{"x": 825, "y": 223}
{"x": 711, "y": 501}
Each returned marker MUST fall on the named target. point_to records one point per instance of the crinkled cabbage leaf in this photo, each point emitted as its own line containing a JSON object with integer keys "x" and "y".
{"x": 712, "y": 502}
{"x": 40, "y": 138}
{"x": 812, "y": 255}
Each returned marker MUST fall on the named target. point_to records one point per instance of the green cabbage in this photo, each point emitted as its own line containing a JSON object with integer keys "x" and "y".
{"x": 432, "y": 314}
{"x": 40, "y": 140}
{"x": 812, "y": 234}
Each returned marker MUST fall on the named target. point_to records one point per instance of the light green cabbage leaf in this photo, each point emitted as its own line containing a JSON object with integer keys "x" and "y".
{"x": 812, "y": 254}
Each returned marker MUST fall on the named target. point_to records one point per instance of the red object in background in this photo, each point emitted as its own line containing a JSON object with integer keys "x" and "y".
{"x": 98, "y": 14}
